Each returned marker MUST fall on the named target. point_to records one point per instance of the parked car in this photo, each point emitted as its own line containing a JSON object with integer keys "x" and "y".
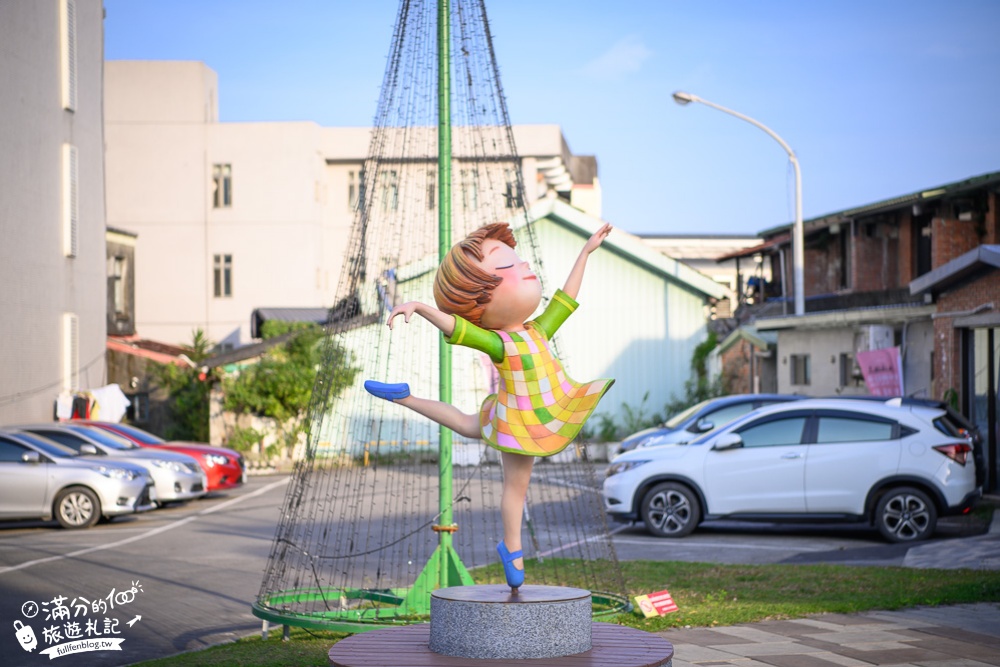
{"x": 894, "y": 465}
{"x": 700, "y": 418}
{"x": 954, "y": 423}
{"x": 41, "y": 479}
{"x": 225, "y": 467}
{"x": 177, "y": 477}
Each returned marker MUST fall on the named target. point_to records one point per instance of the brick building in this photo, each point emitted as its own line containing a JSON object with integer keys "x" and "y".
{"x": 914, "y": 272}
{"x": 966, "y": 365}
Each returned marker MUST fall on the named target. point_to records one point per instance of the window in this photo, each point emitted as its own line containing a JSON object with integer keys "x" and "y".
{"x": 431, "y": 189}
{"x": 222, "y": 273}
{"x": 514, "y": 192}
{"x": 222, "y": 184}
{"x": 67, "y": 53}
{"x": 470, "y": 189}
{"x": 774, "y": 433}
{"x": 801, "y": 373}
{"x": 71, "y": 351}
{"x": 388, "y": 189}
{"x": 355, "y": 189}
{"x": 116, "y": 273}
{"x": 850, "y": 374}
{"x": 850, "y": 429}
{"x": 70, "y": 199}
{"x": 726, "y": 414}
{"x": 11, "y": 452}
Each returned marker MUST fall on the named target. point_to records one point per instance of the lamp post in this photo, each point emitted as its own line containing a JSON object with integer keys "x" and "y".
{"x": 798, "y": 243}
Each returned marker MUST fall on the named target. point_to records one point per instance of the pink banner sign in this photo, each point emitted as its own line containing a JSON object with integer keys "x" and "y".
{"x": 883, "y": 371}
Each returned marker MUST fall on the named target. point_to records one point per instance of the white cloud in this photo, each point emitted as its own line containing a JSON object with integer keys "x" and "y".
{"x": 626, "y": 55}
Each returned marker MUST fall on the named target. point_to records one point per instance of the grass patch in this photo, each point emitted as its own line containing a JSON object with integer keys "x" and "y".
{"x": 304, "y": 649}
{"x": 708, "y": 595}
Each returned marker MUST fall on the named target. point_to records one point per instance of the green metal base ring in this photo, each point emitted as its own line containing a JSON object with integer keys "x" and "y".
{"x": 274, "y": 609}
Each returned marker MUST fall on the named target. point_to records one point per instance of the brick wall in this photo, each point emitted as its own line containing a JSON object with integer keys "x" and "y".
{"x": 876, "y": 256}
{"x": 821, "y": 272}
{"x": 906, "y": 254}
{"x": 948, "y": 340}
{"x": 951, "y": 238}
{"x": 736, "y": 368}
{"x": 992, "y": 220}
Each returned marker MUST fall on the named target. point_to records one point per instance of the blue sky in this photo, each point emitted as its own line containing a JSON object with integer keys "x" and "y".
{"x": 877, "y": 98}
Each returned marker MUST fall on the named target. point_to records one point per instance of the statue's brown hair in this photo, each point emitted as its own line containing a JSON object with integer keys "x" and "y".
{"x": 461, "y": 287}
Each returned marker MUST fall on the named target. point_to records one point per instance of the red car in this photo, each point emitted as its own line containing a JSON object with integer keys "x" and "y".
{"x": 224, "y": 467}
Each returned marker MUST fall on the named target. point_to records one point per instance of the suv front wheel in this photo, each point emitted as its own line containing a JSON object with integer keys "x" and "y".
{"x": 905, "y": 514}
{"x": 670, "y": 509}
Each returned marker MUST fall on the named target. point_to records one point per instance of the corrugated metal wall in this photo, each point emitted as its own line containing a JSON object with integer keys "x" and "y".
{"x": 633, "y": 324}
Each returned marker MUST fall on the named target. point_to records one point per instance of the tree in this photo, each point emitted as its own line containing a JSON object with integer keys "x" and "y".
{"x": 280, "y": 384}
{"x": 189, "y": 391}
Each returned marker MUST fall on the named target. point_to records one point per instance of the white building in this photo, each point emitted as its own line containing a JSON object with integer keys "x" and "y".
{"x": 237, "y": 216}
{"x": 52, "y": 249}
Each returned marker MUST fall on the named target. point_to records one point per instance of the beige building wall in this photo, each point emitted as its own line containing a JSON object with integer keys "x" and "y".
{"x": 289, "y": 222}
{"x": 53, "y": 301}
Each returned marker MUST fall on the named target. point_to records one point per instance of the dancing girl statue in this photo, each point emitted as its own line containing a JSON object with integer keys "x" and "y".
{"x": 485, "y": 294}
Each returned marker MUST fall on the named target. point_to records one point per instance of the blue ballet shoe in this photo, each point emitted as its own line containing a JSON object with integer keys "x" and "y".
{"x": 515, "y": 577}
{"x": 390, "y": 392}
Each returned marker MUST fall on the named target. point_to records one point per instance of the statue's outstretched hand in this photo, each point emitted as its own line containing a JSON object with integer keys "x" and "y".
{"x": 405, "y": 309}
{"x": 595, "y": 241}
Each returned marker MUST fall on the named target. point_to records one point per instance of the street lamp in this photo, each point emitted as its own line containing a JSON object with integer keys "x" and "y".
{"x": 798, "y": 243}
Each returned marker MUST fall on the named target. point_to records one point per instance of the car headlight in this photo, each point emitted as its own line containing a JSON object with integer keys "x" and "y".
{"x": 616, "y": 468}
{"x": 215, "y": 460}
{"x": 169, "y": 465}
{"x": 118, "y": 473}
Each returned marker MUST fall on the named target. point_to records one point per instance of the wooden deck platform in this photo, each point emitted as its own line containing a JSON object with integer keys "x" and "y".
{"x": 613, "y": 646}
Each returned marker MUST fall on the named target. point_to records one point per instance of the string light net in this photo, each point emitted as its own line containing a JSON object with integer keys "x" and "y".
{"x": 356, "y": 530}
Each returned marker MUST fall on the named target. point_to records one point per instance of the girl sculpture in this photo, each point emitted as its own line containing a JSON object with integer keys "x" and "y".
{"x": 485, "y": 293}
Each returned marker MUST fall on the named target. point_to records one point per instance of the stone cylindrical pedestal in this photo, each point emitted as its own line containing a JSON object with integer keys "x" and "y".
{"x": 491, "y": 622}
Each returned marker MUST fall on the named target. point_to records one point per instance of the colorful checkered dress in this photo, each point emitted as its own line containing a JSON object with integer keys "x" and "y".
{"x": 538, "y": 409}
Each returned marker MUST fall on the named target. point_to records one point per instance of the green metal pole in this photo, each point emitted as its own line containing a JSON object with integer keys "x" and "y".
{"x": 444, "y": 244}
{"x": 444, "y": 568}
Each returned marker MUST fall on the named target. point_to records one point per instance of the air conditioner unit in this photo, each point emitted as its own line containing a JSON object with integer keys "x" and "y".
{"x": 874, "y": 337}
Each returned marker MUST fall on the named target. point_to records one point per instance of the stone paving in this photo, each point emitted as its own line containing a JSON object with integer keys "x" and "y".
{"x": 956, "y": 636}
{"x": 953, "y": 636}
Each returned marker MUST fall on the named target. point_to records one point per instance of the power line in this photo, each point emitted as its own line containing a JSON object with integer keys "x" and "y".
{"x": 22, "y": 395}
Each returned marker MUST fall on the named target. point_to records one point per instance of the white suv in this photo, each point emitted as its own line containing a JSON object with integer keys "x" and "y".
{"x": 892, "y": 464}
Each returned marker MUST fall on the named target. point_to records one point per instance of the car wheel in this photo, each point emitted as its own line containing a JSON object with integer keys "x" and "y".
{"x": 670, "y": 510}
{"x": 905, "y": 514}
{"x": 77, "y": 507}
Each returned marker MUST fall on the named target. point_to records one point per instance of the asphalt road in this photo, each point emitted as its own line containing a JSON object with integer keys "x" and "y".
{"x": 189, "y": 573}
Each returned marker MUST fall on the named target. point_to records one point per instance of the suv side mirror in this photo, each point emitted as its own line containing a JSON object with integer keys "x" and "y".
{"x": 727, "y": 441}
{"x": 31, "y": 457}
{"x": 88, "y": 449}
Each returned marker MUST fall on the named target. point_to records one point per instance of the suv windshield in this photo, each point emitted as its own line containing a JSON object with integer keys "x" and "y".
{"x": 677, "y": 420}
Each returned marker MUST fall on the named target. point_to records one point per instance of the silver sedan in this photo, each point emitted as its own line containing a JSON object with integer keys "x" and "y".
{"x": 178, "y": 477}
{"x": 41, "y": 479}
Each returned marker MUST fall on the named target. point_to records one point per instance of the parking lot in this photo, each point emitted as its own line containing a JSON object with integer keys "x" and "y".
{"x": 190, "y": 572}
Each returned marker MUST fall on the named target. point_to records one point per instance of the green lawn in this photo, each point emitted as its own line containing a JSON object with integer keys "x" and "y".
{"x": 707, "y": 595}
